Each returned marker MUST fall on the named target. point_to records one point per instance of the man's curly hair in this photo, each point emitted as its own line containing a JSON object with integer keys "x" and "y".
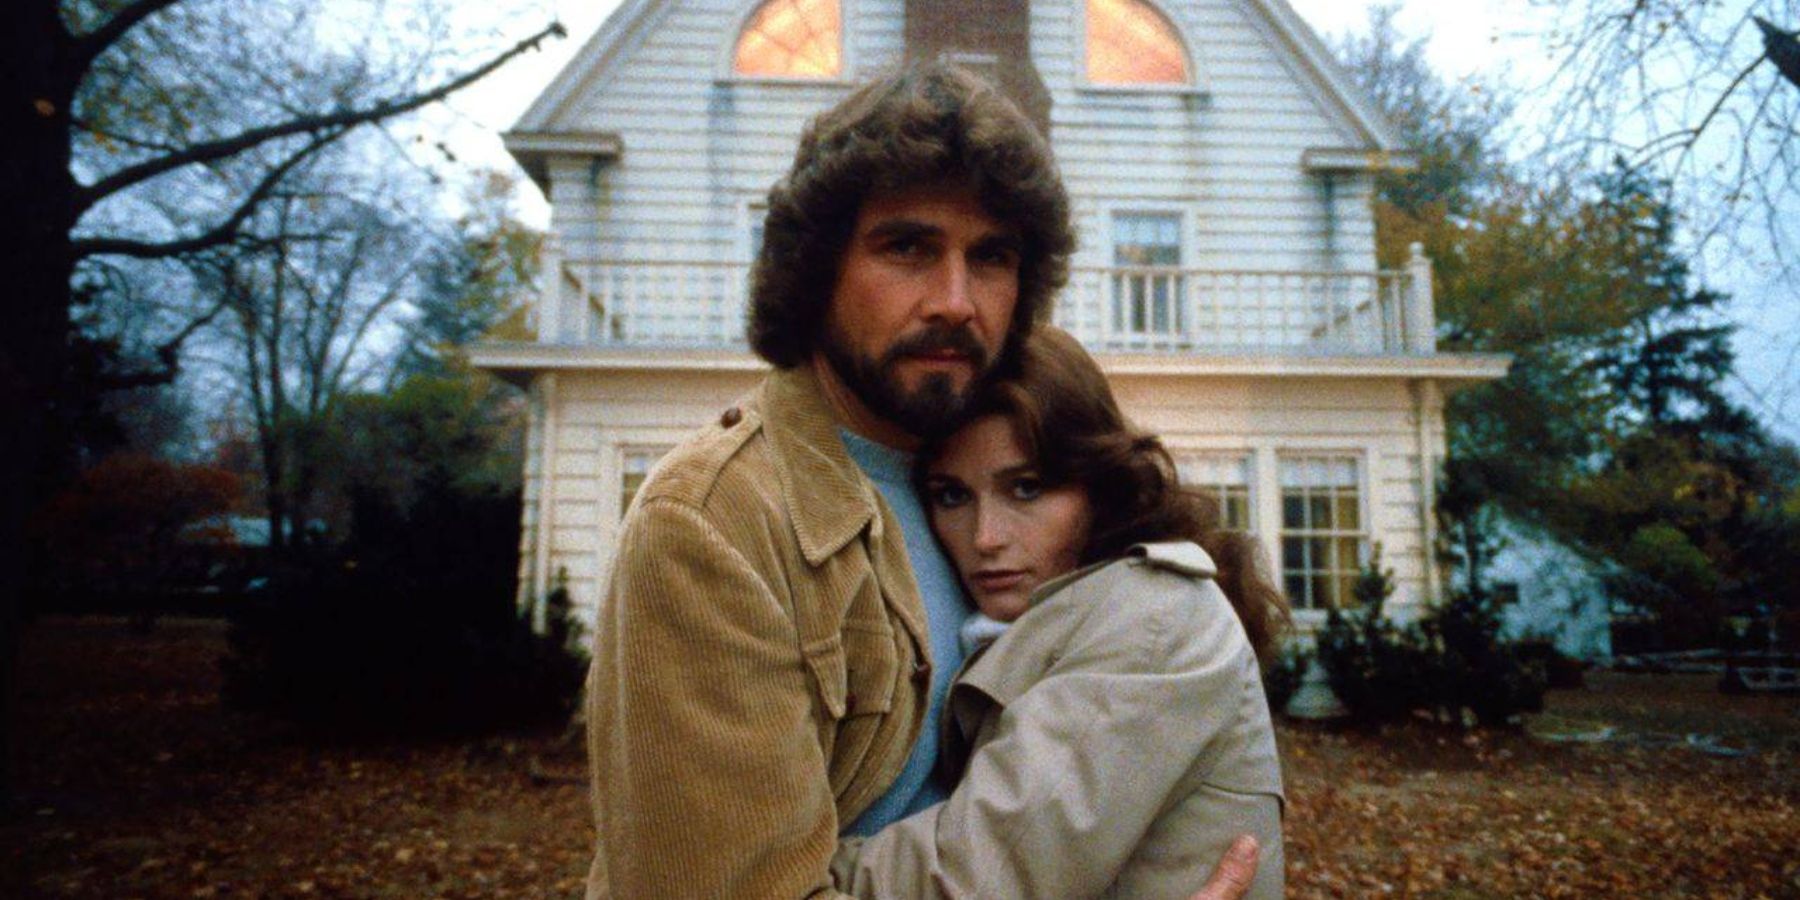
{"x": 932, "y": 122}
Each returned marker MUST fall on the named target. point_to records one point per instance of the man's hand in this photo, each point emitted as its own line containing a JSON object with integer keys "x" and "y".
{"x": 1233, "y": 876}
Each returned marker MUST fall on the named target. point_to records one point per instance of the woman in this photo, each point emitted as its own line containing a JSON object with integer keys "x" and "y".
{"x": 1116, "y": 739}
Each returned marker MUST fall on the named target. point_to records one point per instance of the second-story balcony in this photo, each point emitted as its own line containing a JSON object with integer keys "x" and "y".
{"x": 1122, "y": 309}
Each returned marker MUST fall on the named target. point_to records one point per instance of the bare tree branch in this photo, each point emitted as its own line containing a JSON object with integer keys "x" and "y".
{"x": 209, "y": 151}
{"x": 168, "y": 357}
{"x": 223, "y": 233}
{"x": 90, "y": 45}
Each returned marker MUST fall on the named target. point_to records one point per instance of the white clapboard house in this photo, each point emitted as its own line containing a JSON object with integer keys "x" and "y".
{"x": 1221, "y": 168}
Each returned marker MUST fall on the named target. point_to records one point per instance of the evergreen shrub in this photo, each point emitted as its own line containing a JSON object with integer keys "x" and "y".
{"x": 1450, "y": 666}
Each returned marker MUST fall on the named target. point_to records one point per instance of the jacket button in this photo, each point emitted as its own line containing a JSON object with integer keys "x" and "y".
{"x": 921, "y": 674}
{"x": 849, "y": 704}
{"x": 731, "y": 417}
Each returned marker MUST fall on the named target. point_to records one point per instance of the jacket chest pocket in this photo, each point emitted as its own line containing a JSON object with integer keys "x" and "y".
{"x": 855, "y": 670}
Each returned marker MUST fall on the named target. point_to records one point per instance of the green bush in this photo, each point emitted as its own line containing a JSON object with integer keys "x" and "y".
{"x": 1380, "y": 670}
{"x": 1476, "y": 670}
{"x": 1451, "y": 663}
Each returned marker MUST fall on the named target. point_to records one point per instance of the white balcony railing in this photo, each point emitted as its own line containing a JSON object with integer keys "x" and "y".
{"x": 1118, "y": 309}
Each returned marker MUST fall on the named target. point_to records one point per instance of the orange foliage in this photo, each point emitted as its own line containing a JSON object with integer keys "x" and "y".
{"x": 123, "y": 523}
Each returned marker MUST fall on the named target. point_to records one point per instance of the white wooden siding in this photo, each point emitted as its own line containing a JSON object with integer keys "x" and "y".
{"x": 600, "y": 413}
{"x": 699, "y": 144}
{"x": 1368, "y": 418}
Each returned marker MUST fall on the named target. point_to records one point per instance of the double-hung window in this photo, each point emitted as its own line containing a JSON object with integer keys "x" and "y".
{"x": 1223, "y": 477}
{"x": 1324, "y": 536}
{"x": 1147, "y": 283}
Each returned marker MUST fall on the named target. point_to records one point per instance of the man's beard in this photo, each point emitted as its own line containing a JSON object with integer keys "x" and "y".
{"x": 930, "y": 409}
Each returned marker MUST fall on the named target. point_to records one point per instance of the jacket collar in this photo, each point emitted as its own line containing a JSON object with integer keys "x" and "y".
{"x": 828, "y": 498}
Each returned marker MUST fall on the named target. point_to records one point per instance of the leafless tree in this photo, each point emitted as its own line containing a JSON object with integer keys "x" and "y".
{"x": 1704, "y": 95}
{"x": 306, "y": 319}
{"x": 79, "y": 75}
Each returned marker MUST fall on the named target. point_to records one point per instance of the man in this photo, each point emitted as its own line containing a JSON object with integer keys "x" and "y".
{"x": 781, "y": 628}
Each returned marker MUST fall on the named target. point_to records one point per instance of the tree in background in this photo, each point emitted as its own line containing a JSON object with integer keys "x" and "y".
{"x": 1611, "y": 429}
{"x": 1704, "y": 95}
{"x": 304, "y": 319}
{"x": 410, "y": 624}
{"x": 104, "y": 100}
{"x": 120, "y": 536}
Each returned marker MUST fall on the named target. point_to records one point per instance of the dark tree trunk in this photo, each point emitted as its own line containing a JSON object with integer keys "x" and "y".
{"x": 36, "y": 88}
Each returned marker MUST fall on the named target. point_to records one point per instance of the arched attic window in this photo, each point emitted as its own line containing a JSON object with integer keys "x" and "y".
{"x": 1130, "y": 43}
{"x": 791, "y": 39}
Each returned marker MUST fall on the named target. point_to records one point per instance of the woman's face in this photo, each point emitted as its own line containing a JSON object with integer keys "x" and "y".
{"x": 1006, "y": 531}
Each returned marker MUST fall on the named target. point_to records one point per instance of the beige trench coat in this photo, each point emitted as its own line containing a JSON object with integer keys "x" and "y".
{"x": 760, "y": 661}
{"x": 1117, "y": 741}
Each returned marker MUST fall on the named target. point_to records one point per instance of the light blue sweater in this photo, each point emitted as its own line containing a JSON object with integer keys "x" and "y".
{"x": 945, "y": 610}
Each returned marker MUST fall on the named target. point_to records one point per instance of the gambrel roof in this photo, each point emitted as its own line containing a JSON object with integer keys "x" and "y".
{"x": 1329, "y": 84}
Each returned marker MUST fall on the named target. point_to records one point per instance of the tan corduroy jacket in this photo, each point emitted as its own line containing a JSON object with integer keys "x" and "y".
{"x": 760, "y": 660}
{"x": 1115, "y": 740}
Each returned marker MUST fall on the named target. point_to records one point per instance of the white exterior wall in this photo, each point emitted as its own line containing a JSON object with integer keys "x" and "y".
{"x": 699, "y": 144}
{"x": 700, "y": 147}
{"x": 600, "y": 416}
{"x": 1227, "y": 153}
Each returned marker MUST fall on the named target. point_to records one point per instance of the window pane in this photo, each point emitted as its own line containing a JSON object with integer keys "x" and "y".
{"x": 1147, "y": 239}
{"x": 1296, "y": 591}
{"x": 1293, "y": 510}
{"x": 1128, "y": 42}
{"x": 1318, "y": 552}
{"x": 1237, "y": 512}
{"x": 1349, "y": 516}
{"x": 1293, "y": 553}
{"x": 1318, "y": 511}
{"x": 792, "y": 39}
{"x": 634, "y": 470}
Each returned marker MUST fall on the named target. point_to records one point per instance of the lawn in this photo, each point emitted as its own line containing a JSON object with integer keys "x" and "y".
{"x": 136, "y": 784}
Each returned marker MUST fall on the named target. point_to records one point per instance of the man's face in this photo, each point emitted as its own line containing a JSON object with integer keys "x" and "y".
{"x": 924, "y": 298}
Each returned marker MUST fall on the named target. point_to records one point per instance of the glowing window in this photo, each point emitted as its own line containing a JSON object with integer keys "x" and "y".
{"x": 791, "y": 39}
{"x": 1128, "y": 42}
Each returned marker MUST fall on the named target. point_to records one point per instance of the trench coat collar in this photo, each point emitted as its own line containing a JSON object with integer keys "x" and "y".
{"x": 996, "y": 672}
{"x": 829, "y": 499}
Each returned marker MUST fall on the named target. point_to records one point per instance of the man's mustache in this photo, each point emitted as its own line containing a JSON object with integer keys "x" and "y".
{"x": 932, "y": 340}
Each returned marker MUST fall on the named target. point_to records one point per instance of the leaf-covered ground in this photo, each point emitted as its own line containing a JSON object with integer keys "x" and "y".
{"x": 136, "y": 784}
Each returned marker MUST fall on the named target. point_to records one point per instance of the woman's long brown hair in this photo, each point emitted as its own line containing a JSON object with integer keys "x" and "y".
{"x": 1070, "y": 426}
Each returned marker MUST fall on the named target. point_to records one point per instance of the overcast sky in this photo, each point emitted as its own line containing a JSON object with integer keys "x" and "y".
{"x": 1484, "y": 39}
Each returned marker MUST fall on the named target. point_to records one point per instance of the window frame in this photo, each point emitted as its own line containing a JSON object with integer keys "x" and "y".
{"x": 1244, "y": 456}
{"x": 1195, "y": 86}
{"x": 725, "y": 70}
{"x": 622, "y": 456}
{"x": 1361, "y": 458}
{"x": 1179, "y": 330}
